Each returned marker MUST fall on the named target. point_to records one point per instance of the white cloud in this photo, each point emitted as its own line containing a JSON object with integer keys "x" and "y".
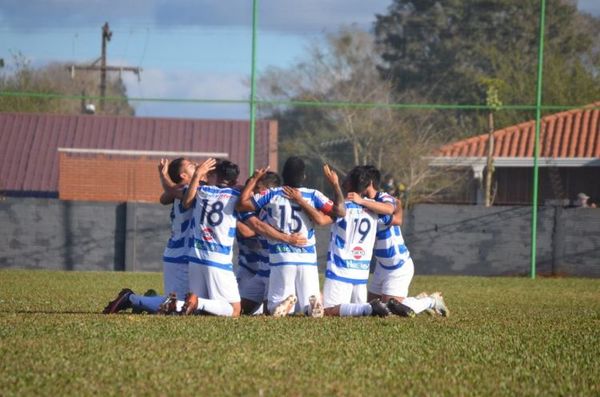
{"x": 188, "y": 85}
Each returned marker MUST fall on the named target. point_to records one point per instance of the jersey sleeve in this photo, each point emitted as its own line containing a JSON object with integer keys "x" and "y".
{"x": 322, "y": 202}
{"x": 385, "y": 198}
{"x": 245, "y": 215}
{"x": 262, "y": 199}
{"x": 385, "y": 219}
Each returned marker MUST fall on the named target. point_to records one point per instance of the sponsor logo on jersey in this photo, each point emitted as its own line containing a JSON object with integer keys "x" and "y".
{"x": 358, "y": 252}
{"x": 207, "y": 234}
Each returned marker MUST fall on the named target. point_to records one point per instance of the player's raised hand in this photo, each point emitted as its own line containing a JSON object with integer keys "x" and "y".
{"x": 297, "y": 239}
{"x": 259, "y": 172}
{"x": 207, "y": 166}
{"x": 292, "y": 193}
{"x": 355, "y": 197}
{"x": 163, "y": 166}
{"x": 331, "y": 175}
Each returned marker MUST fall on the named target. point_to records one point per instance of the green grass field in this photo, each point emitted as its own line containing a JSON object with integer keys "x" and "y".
{"x": 506, "y": 336}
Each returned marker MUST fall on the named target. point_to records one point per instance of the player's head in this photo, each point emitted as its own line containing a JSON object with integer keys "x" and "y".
{"x": 211, "y": 176}
{"x": 227, "y": 173}
{"x": 267, "y": 181}
{"x": 374, "y": 176}
{"x": 357, "y": 180}
{"x": 181, "y": 170}
{"x": 293, "y": 172}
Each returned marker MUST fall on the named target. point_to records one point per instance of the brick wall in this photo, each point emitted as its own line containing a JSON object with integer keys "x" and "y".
{"x": 108, "y": 178}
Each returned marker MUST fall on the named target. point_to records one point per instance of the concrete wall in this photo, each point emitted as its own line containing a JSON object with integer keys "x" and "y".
{"x": 443, "y": 239}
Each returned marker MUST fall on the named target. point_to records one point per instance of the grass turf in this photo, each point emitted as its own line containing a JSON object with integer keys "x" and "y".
{"x": 506, "y": 336}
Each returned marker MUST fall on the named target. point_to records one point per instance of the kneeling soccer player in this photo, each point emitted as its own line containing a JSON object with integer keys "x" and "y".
{"x": 394, "y": 269}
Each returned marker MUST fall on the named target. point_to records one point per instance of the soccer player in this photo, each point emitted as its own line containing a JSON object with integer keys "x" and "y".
{"x": 253, "y": 251}
{"x": 213, "y": 287}
{"x": 174, "y": 176}
{"x": 394, "y": 267}
{"x": 294, "y": 278}
{"x": 350, "y": 250}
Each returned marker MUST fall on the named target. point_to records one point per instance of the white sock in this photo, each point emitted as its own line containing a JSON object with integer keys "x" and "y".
{"x": 355, "y": 309}
{"x": 258, "y": 311}
{"x": 148, "y": 303}
{"x": 419, "y": 305}
{"x": 216, "y": 307}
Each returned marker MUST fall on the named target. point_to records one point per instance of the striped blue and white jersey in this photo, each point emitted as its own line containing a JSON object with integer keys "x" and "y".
{"x": 351, "y": 244}
{"x": 253, "y": 252}
{"x": 253, "y": 255}
{"x": 288, "y": 217}
{"x": 177, "y": 247}
{"x": 213, "y": 226}
{"x": 390, "y": 251}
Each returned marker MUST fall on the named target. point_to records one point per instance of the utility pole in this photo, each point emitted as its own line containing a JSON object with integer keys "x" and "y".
{"x": 103, "y": 68}
{"x": 106, "y": 35}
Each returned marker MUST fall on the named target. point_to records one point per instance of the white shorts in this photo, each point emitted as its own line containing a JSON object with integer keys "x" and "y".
{"x": 299, "y": 280}
{"x": 175, "y": 279}
{"x": 392, "y": 282}
{"x": 337, "y": 292}
{"x": 210, "y": 282}
{"x": 254, "y": 288}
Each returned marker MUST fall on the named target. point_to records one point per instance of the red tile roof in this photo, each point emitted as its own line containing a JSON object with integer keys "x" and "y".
{"x": 29, "y": 142}
{"x": 570, "y": 134}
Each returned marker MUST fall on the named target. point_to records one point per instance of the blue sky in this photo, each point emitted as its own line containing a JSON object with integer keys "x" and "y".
{"x": 187, "y": 48}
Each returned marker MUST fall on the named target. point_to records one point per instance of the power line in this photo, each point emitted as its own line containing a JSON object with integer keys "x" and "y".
{"x": 328, "y": 104}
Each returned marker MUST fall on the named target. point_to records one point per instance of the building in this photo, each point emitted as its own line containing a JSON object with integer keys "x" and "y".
{"x": 569, "y": 159}
{"x": 112, "y": 158}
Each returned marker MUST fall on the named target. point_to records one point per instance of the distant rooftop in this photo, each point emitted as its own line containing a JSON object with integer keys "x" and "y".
{"x": 566, "y": 135}
{"x": 29, "y": 143}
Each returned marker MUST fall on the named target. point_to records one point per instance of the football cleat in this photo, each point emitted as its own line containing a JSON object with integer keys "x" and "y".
{"x": 400, "y": 309}
{"x": 439, "y": 305}
{"x": 121, "y": 302}
{"x": 379, "y": 308}
{"x": 190, "y": 305}
{"x": 315, "y": 308}
{"x": 169, "y": 306}
{"x": 284, "y": 307}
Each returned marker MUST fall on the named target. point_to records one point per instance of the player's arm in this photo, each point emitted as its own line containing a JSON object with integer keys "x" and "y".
{"x": 171, "y": 190}
{"x": 244, "y": 230}
{"x": 398, "y": 216}
{"x": 377, "y": 207}
{"x": 318, "y": 217}
{"x": 339, "y": 207}
{"x": 245, "y": 203}
{"x": 199, "y": 173}
{"x": 264, "y": 229}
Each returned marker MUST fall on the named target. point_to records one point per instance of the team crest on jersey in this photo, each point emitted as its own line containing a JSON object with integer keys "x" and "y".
{"x": 358, "y": 252}
{"x": 207, "y": 234}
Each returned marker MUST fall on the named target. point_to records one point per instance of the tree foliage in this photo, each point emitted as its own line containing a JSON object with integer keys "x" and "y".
{"x": 56, "y": 80}
{"x": 442, "y": 49}
{"x": 342, "y": 69}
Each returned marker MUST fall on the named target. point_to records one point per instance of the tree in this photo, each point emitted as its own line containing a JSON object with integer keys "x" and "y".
{"x": 342, "y": 70}
{"x": 55, "y": 79}
{"x": 442, "y": 49}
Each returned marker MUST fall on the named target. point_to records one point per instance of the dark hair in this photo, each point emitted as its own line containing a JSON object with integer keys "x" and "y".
{"x": 175, "y": 169}
{"x": 227, "y": 172}
{"x": 293, "y": 171}
{"x": 270, "y": 179}
{"x": 374, "y": 175}
{"x": 358, "y": 179}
